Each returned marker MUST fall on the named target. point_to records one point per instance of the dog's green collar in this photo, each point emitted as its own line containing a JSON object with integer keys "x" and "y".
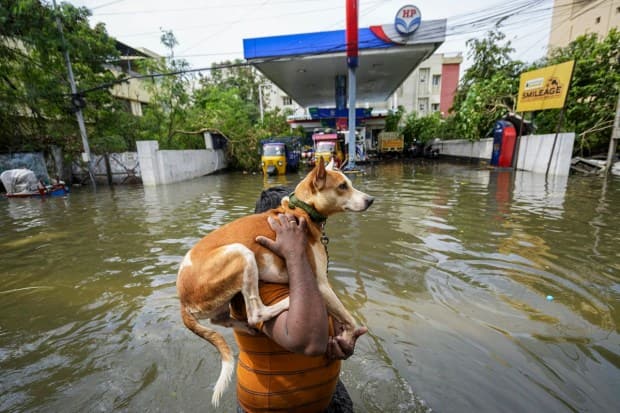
{"x": 294, "y": 202}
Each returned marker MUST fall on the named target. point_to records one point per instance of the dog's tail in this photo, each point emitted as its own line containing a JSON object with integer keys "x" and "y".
{"x": 213, "y": 337}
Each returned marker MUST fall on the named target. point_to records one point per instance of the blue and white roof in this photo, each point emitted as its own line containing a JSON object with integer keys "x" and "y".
{"x": 305, "y": 65}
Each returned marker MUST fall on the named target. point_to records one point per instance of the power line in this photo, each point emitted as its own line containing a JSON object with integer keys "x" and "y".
{"x": 476, "y": 22}
{"x": 480, "y": 20}
{"x": 194, "y": 9}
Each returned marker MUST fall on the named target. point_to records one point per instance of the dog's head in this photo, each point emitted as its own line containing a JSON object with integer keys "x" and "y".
{"x": 329, "y": 191}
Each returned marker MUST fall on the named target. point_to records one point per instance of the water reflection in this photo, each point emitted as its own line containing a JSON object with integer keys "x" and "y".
{"x": 450, "y": 269}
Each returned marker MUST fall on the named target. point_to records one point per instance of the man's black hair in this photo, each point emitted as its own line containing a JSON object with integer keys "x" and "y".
{"x": 270, "y": 198}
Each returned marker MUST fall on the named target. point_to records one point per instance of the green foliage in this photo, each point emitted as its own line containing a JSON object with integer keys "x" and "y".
{"x": 486, "y": 101}
{"x": 35, "y": 100}
{"x": 274, "y": 123}
{"x": 421, "y": 129}
{"x": 591, "y": 100}
{"x": 242, "y": 78}
{"x": 225, "y": 110}
{"x": 490, "y": 58}
{"x": 170, "y": 103}
{"x": 228, "y": 101}
{"x": 488, "y": 89}
{"x": 393, "y": 118}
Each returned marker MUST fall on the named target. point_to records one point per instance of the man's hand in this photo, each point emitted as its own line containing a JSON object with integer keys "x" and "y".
{"x": 291, "y": 238}
{"x": 340, "y": 348}
{"x": 303, "y": 329}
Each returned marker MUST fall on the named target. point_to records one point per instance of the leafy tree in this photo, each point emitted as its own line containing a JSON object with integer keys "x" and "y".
{"x": 591, "y": 100}
{"x": 223, "y": 109}
{"x": 35, "y": 100}
{"x": 488, "y": 88}
{"x": 275, "y": 123}
{"x": 486, "y": 101}
{"x": 421, "y": 129}
{"x": 393, "y": 118}
{"x": 238, "y": 76}
{"x": 228, "y": 101}
{"x": 170, "y": 101}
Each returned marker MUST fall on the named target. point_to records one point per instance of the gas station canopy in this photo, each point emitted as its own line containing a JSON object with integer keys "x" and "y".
{"x": 305, "y": 66}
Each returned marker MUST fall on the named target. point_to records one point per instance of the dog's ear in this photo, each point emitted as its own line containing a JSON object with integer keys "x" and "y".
{"x": 330, "y": 165}
{"x": 320, "y": 175}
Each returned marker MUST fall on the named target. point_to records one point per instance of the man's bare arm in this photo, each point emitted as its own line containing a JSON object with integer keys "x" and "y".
{"x": 304, "y": 327}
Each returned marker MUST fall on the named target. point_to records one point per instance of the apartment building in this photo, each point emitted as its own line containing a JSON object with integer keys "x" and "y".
{"x": 430, "y": 88}
{"x": 133, "y": 92}
{"x": 573, "y": 18}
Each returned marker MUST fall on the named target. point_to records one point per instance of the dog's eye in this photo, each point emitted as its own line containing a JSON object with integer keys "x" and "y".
{"x": 343, "y": 186}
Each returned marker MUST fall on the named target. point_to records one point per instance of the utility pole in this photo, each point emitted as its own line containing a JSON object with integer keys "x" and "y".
{"x": 615, "y": 137}
{"x": 260, "y": 102}
{"x": 352, "y": 62}
{"x": 74, "y": 96}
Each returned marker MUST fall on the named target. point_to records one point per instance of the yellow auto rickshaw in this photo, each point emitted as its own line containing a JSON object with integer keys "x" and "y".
{"x": 326, "y": 146}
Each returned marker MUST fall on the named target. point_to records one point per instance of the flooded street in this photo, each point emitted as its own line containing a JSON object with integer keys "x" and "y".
{"x": 483, "y": 291}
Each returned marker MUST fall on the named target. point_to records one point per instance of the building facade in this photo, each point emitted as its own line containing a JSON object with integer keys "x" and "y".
{"x": 430, "y": 88}
{"x": 132, "y": 92}
{"x": 573, "y": 18}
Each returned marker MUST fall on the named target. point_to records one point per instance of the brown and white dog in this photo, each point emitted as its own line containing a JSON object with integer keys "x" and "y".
{"x": 229, "y": 261}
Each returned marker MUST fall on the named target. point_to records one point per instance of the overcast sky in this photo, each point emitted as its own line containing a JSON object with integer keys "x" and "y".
{"x": 213, "y": 30}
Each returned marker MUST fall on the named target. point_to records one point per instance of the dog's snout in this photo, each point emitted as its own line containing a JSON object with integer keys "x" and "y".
{"x": 369, "y": 201}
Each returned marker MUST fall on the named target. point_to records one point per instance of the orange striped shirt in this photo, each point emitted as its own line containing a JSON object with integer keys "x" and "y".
{"x": 273, "y": 379}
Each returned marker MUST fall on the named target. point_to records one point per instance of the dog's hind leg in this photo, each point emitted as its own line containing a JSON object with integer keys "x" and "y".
{"x": 256, "y": 311}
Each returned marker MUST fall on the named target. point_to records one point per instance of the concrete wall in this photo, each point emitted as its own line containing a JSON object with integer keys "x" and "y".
{"x": 167, "y": 166}
{"x": 534, "y": 151}
{"x": 462, "y": 148}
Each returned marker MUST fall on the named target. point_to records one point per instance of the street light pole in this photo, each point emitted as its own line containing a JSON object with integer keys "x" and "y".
{"x": 78, "y": 113}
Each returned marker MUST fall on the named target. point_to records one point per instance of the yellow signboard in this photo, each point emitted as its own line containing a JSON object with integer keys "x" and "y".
{"x": 544, "y": 88}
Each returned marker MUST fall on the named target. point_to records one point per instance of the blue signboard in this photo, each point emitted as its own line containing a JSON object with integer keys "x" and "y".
{"x": 331, "y": 113}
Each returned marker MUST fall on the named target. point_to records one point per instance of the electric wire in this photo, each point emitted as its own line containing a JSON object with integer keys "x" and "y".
{"x": 478, "y": 21}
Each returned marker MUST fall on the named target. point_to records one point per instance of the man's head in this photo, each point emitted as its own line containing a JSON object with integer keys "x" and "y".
{"x": 270, "y": 198}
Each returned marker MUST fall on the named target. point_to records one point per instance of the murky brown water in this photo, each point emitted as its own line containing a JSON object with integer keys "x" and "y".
{"x": 450, "y": 270}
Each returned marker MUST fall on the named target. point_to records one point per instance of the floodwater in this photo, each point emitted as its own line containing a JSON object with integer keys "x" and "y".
{"x": 483, "y": 291}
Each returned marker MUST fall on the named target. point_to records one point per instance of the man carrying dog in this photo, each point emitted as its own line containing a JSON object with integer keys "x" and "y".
{"x": 293, "y": 362}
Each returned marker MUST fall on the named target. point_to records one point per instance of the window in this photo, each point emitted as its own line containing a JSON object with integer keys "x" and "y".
{"x": 424, "y": 74}
{"x": 598, "y": 20}
{"x": 436, "y": 80}
{"x": 435, "y": 107}
{"x": 423, "y": 105}
{"x": 286, "y": 100}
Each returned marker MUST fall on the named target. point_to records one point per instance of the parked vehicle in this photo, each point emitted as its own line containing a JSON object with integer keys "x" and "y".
{"x": 280, "y": 155}
{"x": 23, "y": 183}
{"x": 326, "y": 146}
{"x": 390, "y": 143}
